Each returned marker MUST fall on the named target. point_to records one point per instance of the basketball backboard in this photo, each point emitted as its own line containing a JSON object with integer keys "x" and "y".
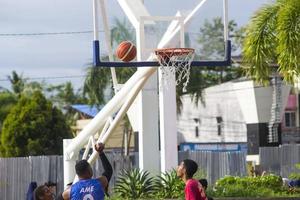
{"x": 199, "y": 16}
{"x": 134, "y": 9}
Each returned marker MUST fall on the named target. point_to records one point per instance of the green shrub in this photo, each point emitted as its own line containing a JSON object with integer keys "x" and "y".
{"x": 169, "y": 186}
{"x": 295, "y": 175}
{"x": 262, "y": 186}
{"x": 134, "y": 184}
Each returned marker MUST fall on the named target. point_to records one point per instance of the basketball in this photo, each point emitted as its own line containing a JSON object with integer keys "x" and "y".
{"x": 126, "y": 51}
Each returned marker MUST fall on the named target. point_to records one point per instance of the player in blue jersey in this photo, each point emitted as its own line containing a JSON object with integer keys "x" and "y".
{"x": 88, "y": 188}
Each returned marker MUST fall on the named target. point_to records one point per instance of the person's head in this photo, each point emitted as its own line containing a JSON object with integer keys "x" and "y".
{"x": 43, "y": 192}
{"x": 51, "y": 186}
{"x": 203, "y": 182}
{"x": 187, "y": 169}
{"x": 83, "y": 169}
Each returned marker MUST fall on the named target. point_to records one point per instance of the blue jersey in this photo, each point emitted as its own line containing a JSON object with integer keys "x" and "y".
{"x": 90, "y": 189}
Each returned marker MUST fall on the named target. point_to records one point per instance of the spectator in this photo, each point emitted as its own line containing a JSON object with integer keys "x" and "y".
{"x": 204, "y": 184}
{"x": 193, "y": 189}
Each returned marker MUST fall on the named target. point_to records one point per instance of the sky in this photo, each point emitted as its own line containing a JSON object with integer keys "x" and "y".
{"x": 57, "y": 58}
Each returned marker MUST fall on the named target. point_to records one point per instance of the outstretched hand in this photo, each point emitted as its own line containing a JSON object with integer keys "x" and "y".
{"x": 99, "y": 147}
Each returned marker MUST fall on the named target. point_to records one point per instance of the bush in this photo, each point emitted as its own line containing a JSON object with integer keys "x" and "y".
{"x": 33, "y": 127}
{"x": 134, "y": 184}
{"x": 262, "y": 186}
{"x": 169, "y": 186}
{"x": 295, "y": 175}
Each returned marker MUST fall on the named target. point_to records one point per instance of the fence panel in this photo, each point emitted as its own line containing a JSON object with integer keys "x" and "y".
{"x": 17, "y": 173}
{"x": 217, "y": 164}
{"x": 280, "y": 160}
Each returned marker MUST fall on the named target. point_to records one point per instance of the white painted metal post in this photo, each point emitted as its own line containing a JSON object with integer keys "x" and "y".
{"x": 167, "y": 116}
{"x": 225, "y": 18}
{"x": 148, "y": 113}
{"x": 69, "y": 164}
{"x": 95, "y": 21}
{"x": 108, "y": 43}
{"x": 168, "y": 128}
{"x": 182, "y": 36}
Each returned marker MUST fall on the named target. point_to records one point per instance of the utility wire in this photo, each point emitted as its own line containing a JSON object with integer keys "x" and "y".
{"x": 61, "y": 33}
{"x": 48, "y": 78}
{"x": 46, "y": 33}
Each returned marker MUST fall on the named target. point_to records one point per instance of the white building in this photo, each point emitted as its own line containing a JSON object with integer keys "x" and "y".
{"x": 233, "y": 116}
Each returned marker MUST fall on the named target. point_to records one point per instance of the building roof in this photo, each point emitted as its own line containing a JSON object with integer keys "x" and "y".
{"x": 89, "y": 110}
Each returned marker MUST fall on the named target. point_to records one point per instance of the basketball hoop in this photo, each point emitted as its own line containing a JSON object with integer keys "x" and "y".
{"x": 175, "y": 61}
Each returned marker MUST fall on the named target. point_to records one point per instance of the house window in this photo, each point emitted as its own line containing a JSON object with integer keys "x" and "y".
{"x": 219, "y": 124}
{"x": 290, "y": 119}
{"x": 197, "y": 121}
{"x": 196, "y": 131}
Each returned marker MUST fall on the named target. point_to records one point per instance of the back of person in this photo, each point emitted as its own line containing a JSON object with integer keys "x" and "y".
{"x": 88, "y": 189}
{"x": 194, "y": 190}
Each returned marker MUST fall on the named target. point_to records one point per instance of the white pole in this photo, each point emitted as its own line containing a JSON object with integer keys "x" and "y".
{"x": 134, "y": 92}
{"x": 182, "y": 37}
{"x": 111, "y": 107}
{"x": 95, "y": 21}
{"x": 87, "y": 149}
{"x": 106, "y": 126}
{"x": 225, "y": 18}
{"x": 69, "y": 164}
{"x": 108, "y": 42}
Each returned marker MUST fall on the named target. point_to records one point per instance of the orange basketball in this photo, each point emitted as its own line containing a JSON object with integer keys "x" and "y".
{"x": 126, "y": 51}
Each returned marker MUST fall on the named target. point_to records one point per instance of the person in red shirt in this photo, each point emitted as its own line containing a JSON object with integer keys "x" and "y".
{"x": 193, "y": 189}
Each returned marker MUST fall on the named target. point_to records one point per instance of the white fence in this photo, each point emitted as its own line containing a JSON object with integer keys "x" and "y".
{"x": 17, "y": 173}
{"x": 280, "y": 160}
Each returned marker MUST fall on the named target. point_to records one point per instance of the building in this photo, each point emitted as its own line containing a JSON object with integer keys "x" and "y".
{"x": 235, "y": 116}
{"x": 118, "y": 140}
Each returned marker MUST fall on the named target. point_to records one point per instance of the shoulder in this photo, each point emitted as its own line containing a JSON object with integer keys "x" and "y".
{"x": 192, "y": 182}
{"x": 66, "y": 194}
{"x": 103, "y": 180}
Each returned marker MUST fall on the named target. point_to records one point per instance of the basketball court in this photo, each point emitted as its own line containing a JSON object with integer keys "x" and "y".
{"x": 166, "y": 44}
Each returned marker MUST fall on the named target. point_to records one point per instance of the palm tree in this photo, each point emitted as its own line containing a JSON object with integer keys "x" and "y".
{"x": 273, "y": 37}
{"x": 121, "y": 31}
{"x": 97, "y": 85}
{"x": 17, "y": 82}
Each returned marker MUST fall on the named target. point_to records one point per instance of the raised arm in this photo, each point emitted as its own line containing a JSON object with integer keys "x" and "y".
{"x": 106, "y": 175}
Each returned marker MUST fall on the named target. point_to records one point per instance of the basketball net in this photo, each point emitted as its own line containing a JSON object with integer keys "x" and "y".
{"x": 175, "y": 62}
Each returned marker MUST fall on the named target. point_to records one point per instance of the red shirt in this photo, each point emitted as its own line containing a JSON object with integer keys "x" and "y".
{"x": 194, "y": 191}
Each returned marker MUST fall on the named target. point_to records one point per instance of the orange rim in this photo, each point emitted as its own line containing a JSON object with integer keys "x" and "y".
{"x": 173, "y": 51}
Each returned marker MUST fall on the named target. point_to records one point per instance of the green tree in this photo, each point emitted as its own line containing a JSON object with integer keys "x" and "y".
{"x": 17, "y": 82}
{"x": 7, "y": 102}
{"x": 121, "y": 31}
{"x": 33, "y": 127}
{"x": 273, "y": 37}
{"x": 98, "y": 85}
{"x": 64, "y": 95}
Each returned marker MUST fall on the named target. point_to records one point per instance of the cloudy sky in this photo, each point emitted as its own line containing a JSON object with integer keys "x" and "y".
{"x": 60, "y": 55}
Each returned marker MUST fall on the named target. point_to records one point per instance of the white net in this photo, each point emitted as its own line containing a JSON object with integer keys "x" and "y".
{"x": 175, "y": 62}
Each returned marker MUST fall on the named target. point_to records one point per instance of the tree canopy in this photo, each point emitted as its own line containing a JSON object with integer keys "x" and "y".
{"x": 273, "y": 38}
{"x": 33, "y": 127}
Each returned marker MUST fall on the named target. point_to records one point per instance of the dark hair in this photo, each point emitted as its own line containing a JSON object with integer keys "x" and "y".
{"x": 203, "y": 182}
{"x": 82, "y": 167}
{"x": 69, "y": 184}
{"x": 39, "y": 192}
{"x": 49, "y": 184}
{"x": 191, "y": 167}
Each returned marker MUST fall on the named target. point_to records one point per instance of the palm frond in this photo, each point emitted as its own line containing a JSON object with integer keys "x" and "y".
{"x": 288, "y": 28}
{"x": 260, "y": 44}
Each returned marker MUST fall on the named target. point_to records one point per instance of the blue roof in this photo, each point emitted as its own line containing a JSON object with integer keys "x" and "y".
{"x": 89, "y": 110}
